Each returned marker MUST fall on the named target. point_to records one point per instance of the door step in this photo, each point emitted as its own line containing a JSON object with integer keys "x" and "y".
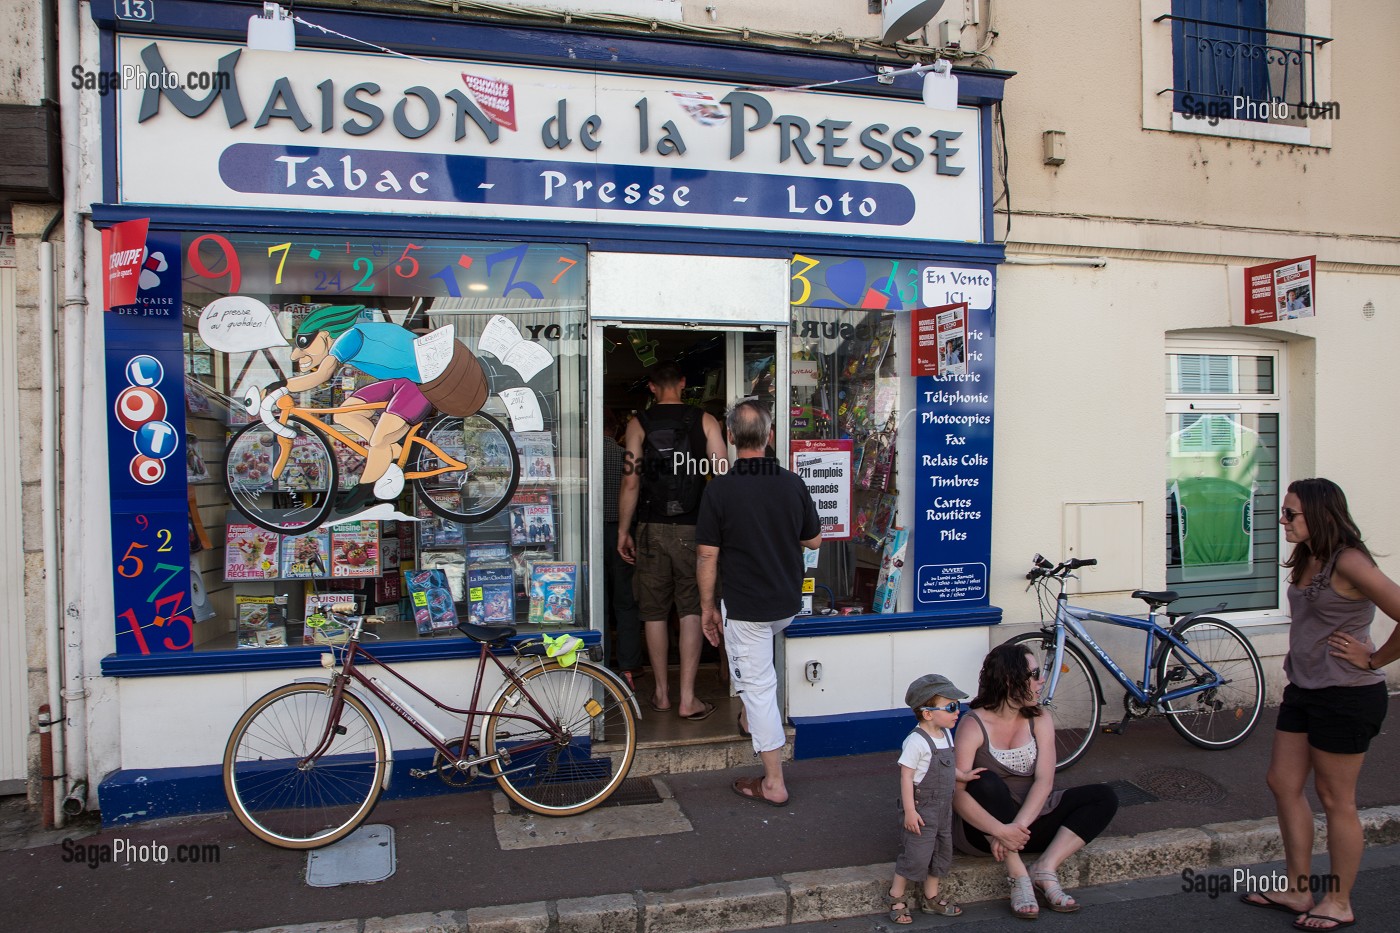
{"x": 675, "y": 756}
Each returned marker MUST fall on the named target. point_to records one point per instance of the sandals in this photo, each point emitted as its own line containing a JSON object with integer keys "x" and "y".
{"x": 940, "y": 906}
{"x": 899, "y": 909}
{"x": 1023, "y": 903}
{"x": 1047, "y": 886}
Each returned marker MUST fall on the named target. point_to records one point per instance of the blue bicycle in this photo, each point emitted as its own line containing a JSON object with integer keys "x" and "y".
{"x": 1199, "y": 672}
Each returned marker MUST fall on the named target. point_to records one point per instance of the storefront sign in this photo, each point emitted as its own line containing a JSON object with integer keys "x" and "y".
{"x": 123, "y": 249}
{"x": 1280, "y": 291}
{"x": 308, "y": 131}
{"x": 825, "y": 466}
{"x": 949, "y": 285}
{"x": 146, "y": 453}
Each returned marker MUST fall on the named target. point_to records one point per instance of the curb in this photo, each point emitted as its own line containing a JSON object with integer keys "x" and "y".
{"x": 839, "y": 893}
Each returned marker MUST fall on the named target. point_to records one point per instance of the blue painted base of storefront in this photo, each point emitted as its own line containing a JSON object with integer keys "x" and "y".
{"x": 134, "y": 796}
{"x": 850, "y": 733}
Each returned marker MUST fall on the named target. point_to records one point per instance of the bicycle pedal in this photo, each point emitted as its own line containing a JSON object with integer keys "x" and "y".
{"x": 1118, "y": 729}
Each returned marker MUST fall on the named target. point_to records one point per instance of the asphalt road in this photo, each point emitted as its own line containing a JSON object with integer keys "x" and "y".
{"x": 1154, "y": 904}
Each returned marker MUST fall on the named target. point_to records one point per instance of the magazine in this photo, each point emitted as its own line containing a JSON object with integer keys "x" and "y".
{"x": 431, "y": 601}
{"x": 388, "y": 588}
{"x": 389, "y": 550}
{"x": 355, "y": 549}
{"x": 453, "y": 566}
{"x": 531, "y": 517}
{"x": 195, "y": 469}
{"x": 488, "y": 552}
{"x": 553, "y": 588}
{"x": 390, "y": 611}
{"x": 250, "y": 552}
{"x": 307, "y": 557}
{"x": 490, "y": 593}
{"x": 891, "y": 569}
{"x": 435, "y": 531}
{"x": 321, "y": 603}
{"x": 262, "y": 621}
{"x": 536, "y": 449}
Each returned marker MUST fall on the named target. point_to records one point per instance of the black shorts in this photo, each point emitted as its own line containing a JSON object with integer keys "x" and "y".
{"x": 1340, "y": 720}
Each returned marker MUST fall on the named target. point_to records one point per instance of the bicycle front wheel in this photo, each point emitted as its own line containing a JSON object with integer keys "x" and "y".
{"x": 286, "y": 800}
{"x": 1222, "y": 716}
{"x": 1075, "y": 705}
{"x": 581, "y": 753}
{"x": 298, "y": 498}
{"x": 492, "y": 468}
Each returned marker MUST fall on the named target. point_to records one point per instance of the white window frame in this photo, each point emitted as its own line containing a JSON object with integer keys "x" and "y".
{"x": 1274, "y": 403}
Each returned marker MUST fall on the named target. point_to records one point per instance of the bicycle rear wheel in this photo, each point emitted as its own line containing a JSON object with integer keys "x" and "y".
{"x": 582, "y": 757}
{"x": 1075, "y": 706}
{"x": 1223, "y": 716}
{"x": 289, "y": 802}
{"x": 492, "y": 473}
{"x": 299, "y": 498}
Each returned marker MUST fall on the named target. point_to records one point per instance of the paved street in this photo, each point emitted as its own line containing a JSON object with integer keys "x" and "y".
{"x": 1145, "y": 905}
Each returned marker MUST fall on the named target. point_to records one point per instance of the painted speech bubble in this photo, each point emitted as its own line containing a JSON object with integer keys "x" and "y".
{"x": 238, "y": 323}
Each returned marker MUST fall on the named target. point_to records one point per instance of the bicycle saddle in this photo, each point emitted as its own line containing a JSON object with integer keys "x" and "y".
{"x": 1156, "y": 598}
{"x": 491, "y": 634}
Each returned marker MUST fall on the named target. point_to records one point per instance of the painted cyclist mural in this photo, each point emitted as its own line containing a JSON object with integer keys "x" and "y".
{"x": 298, "y": 466}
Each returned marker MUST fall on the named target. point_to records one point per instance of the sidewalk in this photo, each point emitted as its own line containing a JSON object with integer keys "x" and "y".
{"x": 705, "y": 860}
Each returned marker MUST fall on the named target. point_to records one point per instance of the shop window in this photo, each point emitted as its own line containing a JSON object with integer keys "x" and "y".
{"x": 491, "y": 518}
{"x": 1222, "y": 490}
{"x": 849, "y": 379}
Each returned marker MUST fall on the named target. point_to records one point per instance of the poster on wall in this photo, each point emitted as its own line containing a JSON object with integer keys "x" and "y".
{"x": 825, "y": 466}
{"x": 1280, "y": 291}
{"x": 940, "y": 340}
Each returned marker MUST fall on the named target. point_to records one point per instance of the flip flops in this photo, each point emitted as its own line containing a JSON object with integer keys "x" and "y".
{"x": 751, "y": 788}
{"x": 1301, "y": 924}
{"x": 1268, "y": 903}
{"x": 705, "y": 712}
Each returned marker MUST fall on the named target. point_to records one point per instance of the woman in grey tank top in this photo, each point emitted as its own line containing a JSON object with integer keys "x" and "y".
{"x": 1335, "y": 700}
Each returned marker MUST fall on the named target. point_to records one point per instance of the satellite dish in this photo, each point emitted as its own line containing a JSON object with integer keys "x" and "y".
{"x": 900, "y": 19}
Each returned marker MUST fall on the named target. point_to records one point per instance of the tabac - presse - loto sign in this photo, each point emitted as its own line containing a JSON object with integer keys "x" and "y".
{"x": 340, "y": 131}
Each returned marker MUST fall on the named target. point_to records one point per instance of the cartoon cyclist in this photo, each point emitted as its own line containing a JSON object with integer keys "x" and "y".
{"x": 334, "y": 336}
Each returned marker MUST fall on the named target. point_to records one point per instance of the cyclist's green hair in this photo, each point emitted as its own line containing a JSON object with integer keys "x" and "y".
{"x": 333, "y": 319}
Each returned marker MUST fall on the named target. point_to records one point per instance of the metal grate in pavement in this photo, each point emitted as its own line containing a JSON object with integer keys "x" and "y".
{"x": 1130, "y": 794}
{"x": 632, "y": 792}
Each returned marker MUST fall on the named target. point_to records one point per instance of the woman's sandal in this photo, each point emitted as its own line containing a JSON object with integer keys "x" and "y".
{"x": 899, "y": 908}
{"x": 1047, "y": 885}
{"x": 939, "y": 906}
{"x": 1023, "y": 902}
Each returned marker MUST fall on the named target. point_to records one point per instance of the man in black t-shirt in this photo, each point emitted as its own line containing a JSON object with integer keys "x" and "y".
{"x": 754, "y": 522}
{"x": 664, "y": 550}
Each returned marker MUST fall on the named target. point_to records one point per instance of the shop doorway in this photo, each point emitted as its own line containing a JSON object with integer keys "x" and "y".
{"x": 721, "y": 365}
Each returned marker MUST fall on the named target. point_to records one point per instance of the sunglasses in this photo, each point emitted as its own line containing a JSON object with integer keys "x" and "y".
{"x": 946, "y": 708}
{"x": 1035, "y": 673}
{"x": 1289, "y": 514}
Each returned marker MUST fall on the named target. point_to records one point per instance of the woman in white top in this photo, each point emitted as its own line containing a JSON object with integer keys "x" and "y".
{"x": 1014, "y": 806}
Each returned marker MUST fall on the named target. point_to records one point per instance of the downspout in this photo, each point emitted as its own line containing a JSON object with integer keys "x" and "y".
{"x": 48, "y": 497}
{"x": 74, "y": 711}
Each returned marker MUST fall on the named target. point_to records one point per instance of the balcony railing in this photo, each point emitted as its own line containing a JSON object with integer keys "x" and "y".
{"x": 1218, "y": 62}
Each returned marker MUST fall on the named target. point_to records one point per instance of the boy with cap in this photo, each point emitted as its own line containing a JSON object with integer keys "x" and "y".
{"x": 927, "y": 779}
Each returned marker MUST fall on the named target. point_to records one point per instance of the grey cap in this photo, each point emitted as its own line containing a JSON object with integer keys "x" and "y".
{"x": 931, "y": 685}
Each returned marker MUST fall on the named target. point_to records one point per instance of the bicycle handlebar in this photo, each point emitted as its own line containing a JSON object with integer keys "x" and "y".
{"x": 1043, "y": 567}
{"x": 255, "y": 404}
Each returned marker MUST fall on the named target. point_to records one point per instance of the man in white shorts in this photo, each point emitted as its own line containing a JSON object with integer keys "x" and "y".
{"x": 754, "y": 522}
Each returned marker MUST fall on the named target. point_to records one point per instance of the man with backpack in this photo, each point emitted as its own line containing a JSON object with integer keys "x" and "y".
{"x": 671, "y": 449}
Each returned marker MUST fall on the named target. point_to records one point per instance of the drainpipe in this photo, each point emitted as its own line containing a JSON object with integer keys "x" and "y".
{"x": 74, "y": 711}
{"x": 50, "y": 726}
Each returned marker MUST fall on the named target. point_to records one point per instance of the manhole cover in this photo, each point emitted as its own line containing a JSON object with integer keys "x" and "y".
{"x": 632, "y": 792}
{"x": 1130, "y": 794}
{"x": 1180, "y": 784}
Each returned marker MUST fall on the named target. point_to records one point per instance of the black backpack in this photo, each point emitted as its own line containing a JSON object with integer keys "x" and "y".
{"x": 667, "y": 492}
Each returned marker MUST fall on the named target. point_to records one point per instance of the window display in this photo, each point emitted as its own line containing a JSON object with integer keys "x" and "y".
{"x": 362, "y": 414}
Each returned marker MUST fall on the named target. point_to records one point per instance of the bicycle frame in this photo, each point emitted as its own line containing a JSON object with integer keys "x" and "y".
{"x": 314, "y": 417}
{"x": 1069, "y": 620}
{"x": 349, "y": 671}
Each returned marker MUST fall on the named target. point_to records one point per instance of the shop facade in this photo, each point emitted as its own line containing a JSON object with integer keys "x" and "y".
{"x": 571, "y": 208}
